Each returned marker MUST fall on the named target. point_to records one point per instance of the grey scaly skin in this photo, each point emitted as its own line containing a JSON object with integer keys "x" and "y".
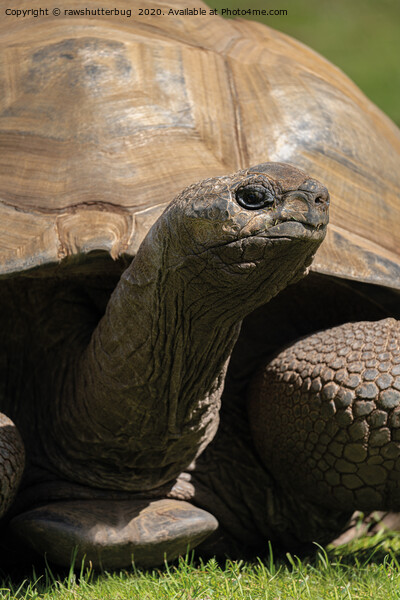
{"x": 12, "y": 461}
{"x": 130, "y": 409}
{"x": 340, "y": 415}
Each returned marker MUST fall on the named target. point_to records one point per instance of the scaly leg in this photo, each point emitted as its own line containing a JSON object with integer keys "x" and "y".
{"x": 325, "y": 416}
{"x": 11, "y": 462}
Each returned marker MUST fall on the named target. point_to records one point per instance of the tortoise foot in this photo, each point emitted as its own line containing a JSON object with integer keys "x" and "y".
{"x": 112, "y": 534}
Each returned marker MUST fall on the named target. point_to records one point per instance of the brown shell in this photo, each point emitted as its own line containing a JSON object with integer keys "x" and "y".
{"x": 103, "y": 119}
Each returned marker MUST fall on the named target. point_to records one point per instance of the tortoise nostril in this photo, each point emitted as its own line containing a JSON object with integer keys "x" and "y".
{"x": 321, "y": 199}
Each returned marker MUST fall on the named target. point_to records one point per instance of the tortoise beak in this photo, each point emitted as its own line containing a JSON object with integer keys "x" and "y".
{"x": 308, "y": 207}
{"x": 297, "y": 230}
{"x": 303, "y": 214}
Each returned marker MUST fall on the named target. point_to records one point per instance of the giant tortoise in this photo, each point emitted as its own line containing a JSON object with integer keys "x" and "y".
{"x": 112, "y": 369}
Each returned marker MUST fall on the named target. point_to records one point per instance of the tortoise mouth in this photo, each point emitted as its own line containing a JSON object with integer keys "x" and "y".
{"x": 252, "y": 246}
{"x": 288, "y": 231}
{"x": 251, "y": 252}
{"x": 248, "y": 252}
{"x": 296, "y": 230}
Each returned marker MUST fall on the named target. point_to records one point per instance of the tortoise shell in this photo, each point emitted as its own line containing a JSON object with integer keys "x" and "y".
{"x": 103, "y": 119}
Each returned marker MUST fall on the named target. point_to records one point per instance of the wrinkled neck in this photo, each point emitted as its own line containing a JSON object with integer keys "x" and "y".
{"x": 143, "y": 400}
{"x": 145, "y": 396}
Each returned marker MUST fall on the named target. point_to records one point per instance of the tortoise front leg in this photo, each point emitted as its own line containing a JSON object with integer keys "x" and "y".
{"x": 325, "y": 416}
{"x": 12, "y": 458}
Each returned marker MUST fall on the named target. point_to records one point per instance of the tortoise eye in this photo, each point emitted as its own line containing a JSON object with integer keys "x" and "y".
{"x": 253, "y": 197}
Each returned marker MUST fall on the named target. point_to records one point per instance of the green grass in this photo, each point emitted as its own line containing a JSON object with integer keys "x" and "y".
{"x": 366, "y": 568}
{"x": 362, "y": 37}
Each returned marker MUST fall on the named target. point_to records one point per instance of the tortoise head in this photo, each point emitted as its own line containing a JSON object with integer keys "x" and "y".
{"x": 232, "y": 233}
{"x": 243, "y": 236}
